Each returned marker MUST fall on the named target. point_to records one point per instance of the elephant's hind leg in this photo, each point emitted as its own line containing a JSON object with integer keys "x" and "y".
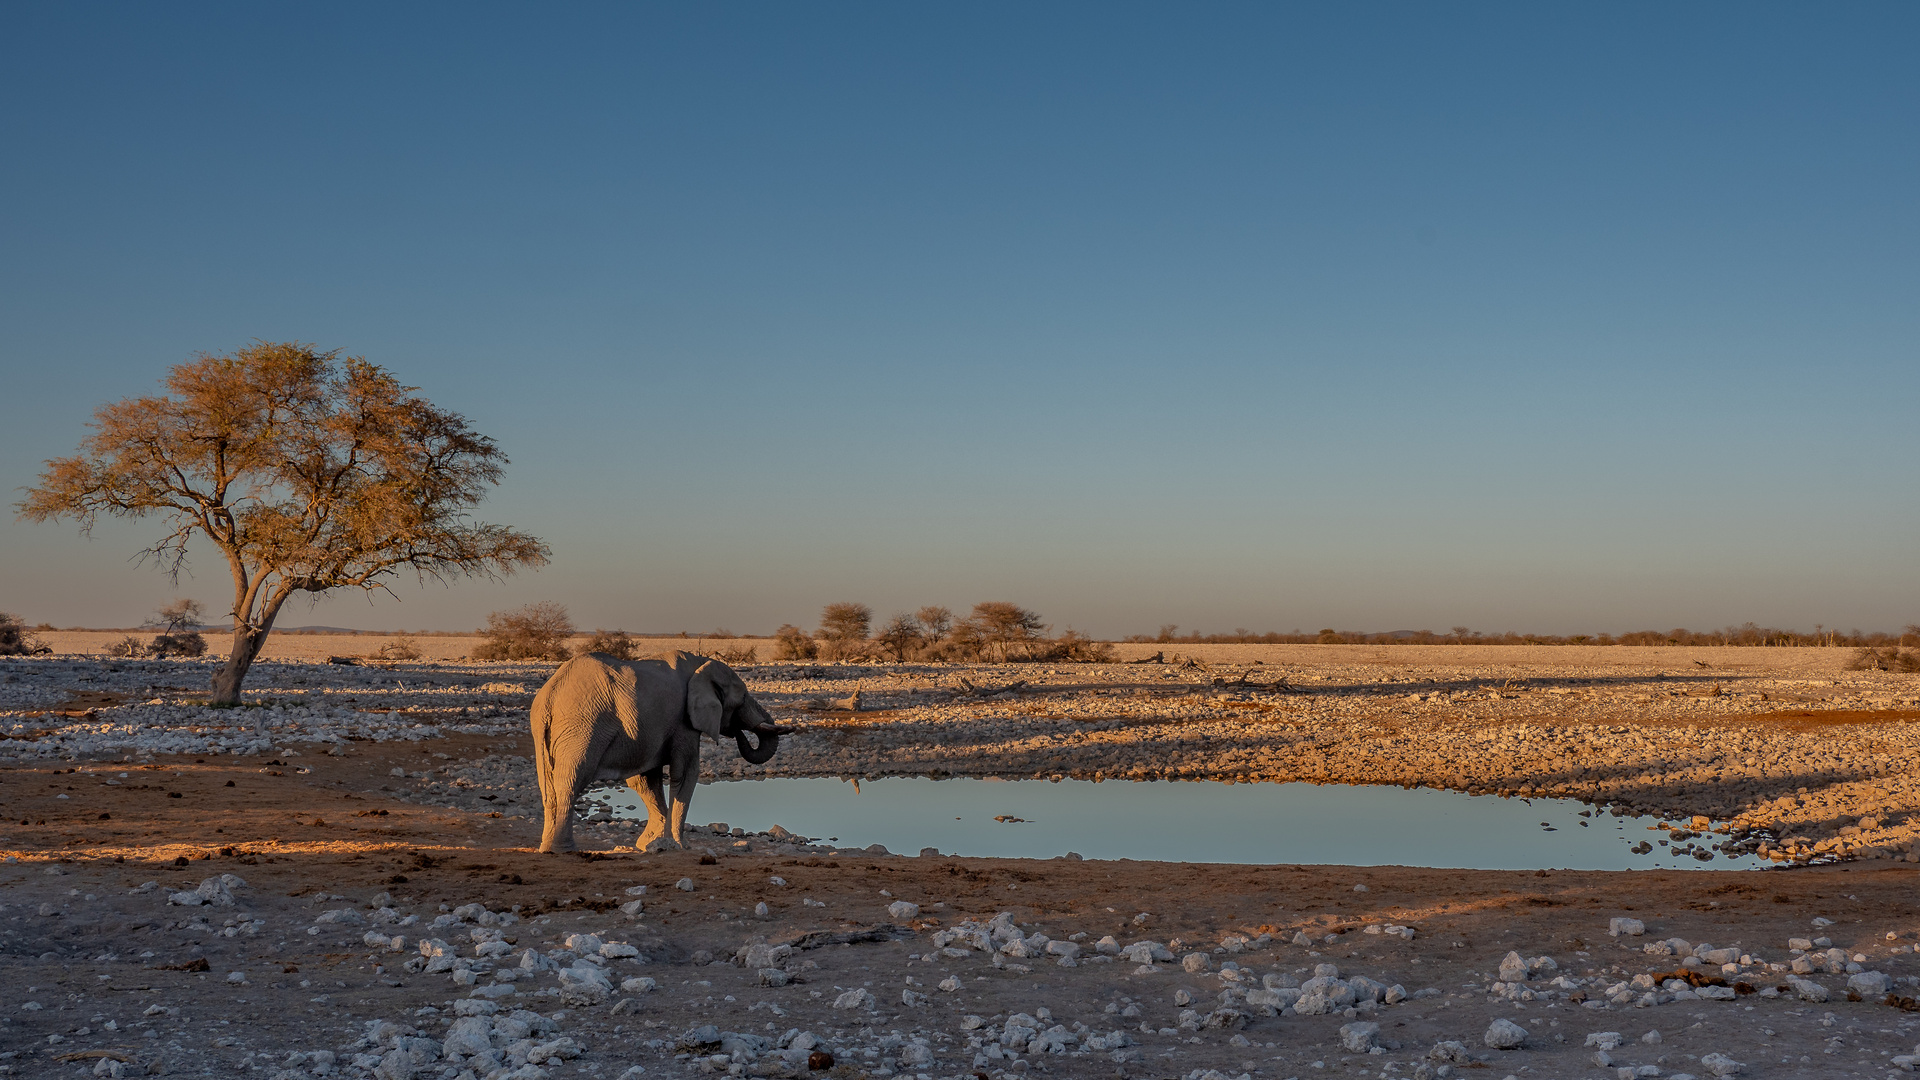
{"x": 683, "y": 788}
{"x": 648, "y": 787}
{"x": 574, "y": 761}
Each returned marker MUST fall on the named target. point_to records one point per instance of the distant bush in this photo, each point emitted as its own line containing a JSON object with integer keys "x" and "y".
{"x": 400, "y": 648}
{"x": 187, "y": 644}
{"x": 736, "y": 657}
{"x": 181, "y": 634}
{"x": 843, "y": 632}
{"x": 1074, "y": 647}
{"x": 127, "y": 646}
{"x": 1888, "y": 659}
{"x": 615, "y": 643}
{"x": 792, "y": 643}
{"x": 535, "y": 632}
{"x": 14, "y": 639}
{"x": 843, "y": 622}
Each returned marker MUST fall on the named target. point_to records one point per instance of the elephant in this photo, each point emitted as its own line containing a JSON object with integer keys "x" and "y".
{"x": 600, "y": 718}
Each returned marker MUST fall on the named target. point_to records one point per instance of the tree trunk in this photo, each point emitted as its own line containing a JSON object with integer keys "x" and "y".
{"x": 246, "y": 646}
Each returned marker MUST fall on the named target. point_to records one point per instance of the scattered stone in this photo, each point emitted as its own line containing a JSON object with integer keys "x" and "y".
{"x": 1504, "y": 1034}
{"x": 1360, "y": 1036}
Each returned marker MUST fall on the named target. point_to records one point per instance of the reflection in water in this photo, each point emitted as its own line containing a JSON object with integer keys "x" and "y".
{"x": 1190, "y": 822}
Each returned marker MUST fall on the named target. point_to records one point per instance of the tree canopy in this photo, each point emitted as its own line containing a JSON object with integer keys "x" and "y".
{"x": 308, "y": 471}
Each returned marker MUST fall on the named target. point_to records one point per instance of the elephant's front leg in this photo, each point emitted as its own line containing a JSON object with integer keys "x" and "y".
{"x": 649, "y": 787}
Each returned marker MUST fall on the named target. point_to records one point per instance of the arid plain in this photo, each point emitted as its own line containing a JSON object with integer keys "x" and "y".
{"x": 383, "y": 800}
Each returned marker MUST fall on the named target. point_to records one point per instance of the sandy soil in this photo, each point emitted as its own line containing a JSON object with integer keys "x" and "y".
{"x": 316, "y": 821}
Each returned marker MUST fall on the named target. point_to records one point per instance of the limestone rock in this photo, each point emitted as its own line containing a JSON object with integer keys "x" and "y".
{"x": 1504, "y": 1034}
{"x": 1360, "y": 1036}
{"x": 1721, "y": 1064}
{"x": 1871, "y": 985}
{"x": 1513, "y": 968}
{"x": 856, "y": 998}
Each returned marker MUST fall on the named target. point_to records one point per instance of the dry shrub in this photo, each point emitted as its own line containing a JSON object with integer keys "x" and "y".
{"x": 14, "y": 639}
{"x": 1888, "y": 659}
{"x": 1074, "y": 647}
{"x": 615, "y": 643}
{"x": 182, "y": 644}
{"x": 127, "y": 646}
{"x": 792, "y": 643}
{"x": 400, "y": 648}
{"x": 535, "y": 632}
{"x": 181, "y": 636}
{"x": 736, "y": 657}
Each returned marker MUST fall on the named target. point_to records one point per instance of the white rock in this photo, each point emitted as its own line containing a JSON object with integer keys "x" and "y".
{"x": 1606, "y": 1040}
{"x": 1721, "y": 1064}
{"x": 950, "y": 983}
{"x": 616, "y": 950}
{"x": 1359, "y": 1037}
{"x": 639, "y": 984}
{"x": 1629, "y": 927}
{"x": 1195, "y": 962}
{"x": 1513, "y": 968}
{"x": 1807, "y": 990}
{"x": 1871, "y": 985}
{"x": 633, "y": 908}
{"x": 854, "y": 999}
{"x": 685, "y": 884}
{"x": 469, "y": 1035}
{"x": 901, "y": 910}
{"x": 1504, "y": 1034}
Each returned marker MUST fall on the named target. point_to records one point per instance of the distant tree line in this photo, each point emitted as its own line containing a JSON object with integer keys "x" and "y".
{"x": 1745, "y": 634}
{"x": 995, "y": 631}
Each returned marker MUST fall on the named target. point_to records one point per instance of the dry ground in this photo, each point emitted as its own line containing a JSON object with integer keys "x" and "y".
{"x": 87, "y": 951}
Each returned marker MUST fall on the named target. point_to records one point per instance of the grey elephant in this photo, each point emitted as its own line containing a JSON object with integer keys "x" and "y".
{"x": 599, "y": 718}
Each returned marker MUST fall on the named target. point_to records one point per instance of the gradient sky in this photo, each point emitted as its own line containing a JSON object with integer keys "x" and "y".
{"x": 1538, "y": 317}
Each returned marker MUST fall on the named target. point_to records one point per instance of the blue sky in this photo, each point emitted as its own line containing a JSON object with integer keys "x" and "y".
{"x": 1553, "y": 319}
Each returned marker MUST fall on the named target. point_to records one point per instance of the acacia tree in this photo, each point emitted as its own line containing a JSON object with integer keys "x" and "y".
{"x": 307, "y": 471}
{"x": 1003, "y": 627}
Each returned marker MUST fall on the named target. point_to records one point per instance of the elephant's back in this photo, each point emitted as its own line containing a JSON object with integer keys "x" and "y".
{"x": 594, "y": 684}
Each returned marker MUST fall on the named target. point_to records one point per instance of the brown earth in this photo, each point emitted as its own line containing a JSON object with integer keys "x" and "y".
{"x": 291, "y": 834}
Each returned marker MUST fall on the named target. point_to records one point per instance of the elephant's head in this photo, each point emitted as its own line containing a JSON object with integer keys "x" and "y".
{"x": 718, "y": 705}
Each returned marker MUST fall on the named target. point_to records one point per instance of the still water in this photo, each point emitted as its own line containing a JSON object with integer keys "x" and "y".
{"x": 1189, "y": 822}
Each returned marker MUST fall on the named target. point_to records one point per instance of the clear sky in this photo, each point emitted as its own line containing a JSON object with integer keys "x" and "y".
{"x": 1555, "y": 318}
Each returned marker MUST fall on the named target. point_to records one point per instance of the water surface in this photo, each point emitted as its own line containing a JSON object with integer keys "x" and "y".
{"x": 1189, "y": 821}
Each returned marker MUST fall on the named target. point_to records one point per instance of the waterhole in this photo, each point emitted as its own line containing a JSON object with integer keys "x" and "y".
{"x": 1193, "y": 821}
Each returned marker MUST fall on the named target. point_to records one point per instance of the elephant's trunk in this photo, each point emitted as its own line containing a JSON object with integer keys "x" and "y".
{"x": 757, "y": 755}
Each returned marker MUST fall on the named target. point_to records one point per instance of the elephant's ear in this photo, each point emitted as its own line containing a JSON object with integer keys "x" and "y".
{"x": 703, "y": 702}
